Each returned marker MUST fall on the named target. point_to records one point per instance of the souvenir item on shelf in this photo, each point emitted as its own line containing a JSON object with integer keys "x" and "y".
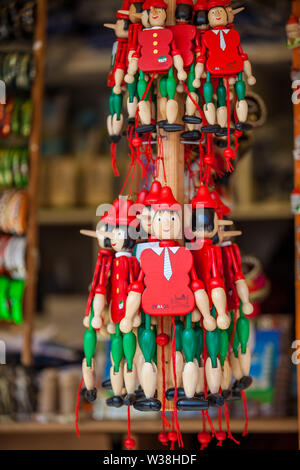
{"x": 13, "y": 212}
{"x": 177, "y": 314}
{"x": 13, "y": 168}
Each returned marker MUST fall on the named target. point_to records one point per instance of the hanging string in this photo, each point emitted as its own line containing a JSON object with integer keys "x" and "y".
{"x": 165, "y": 422}
{"x": 244, "y": 398}
{"x": 179, "y": 437}
{"x": 213, "y": 432}
{"x": 229, "y": 434}
{"x": 160, "y": 157}
{"x": 113, "y": 151}
{"x": 77, "y": 408}
{"x": 229, "y": 153}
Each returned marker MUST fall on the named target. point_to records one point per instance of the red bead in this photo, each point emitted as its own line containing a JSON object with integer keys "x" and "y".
{"x": 163, "y": 438}
{"x": 221, "y": 435}
{"x": 237, "y": 133}
{"x": 129, "y": 443}
{"x": 209, "y": 159}
{"x": 204, "y": 438}
{"x": 137, "y": 142}
{"x": 172, "y": 436}
{"x": 228, "y": 153}
{"x": 162, "y": 339}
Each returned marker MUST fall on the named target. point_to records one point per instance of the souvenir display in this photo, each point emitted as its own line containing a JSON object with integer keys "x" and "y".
{"x": 14, "y": 169}
{"x": 175, "y": 305}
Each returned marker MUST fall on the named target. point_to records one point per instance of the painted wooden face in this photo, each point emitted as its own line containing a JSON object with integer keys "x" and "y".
{"x": 103, "y": 236}
{"x": 166, "y": 225}
{"x": 230, "y": 15}
{"x": 157, "y": 16}
{"x": 205, "y": 224}
{"x": 146, "y": 219}
{"x": 134, "y": 10}
{"x": 217, "y": 16}
{"x": 117, "y": 238}
{"x": 120, "y": 30}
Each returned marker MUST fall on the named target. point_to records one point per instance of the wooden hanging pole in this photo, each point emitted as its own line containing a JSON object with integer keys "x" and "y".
{"x": 174, "y": 170}
{"x": 29, "y": 304}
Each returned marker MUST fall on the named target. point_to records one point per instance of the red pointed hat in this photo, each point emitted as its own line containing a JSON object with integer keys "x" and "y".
{"x": 121, "y": 15}
{"x": 203, "y": 199}
{"x": 185, "y": 2}
{"x": 153, "y": 195}
{"x": 167, "y": 200}
{"x": 142, "y": 196}
{"x": 222, "y": 209}
{"x": 218, "y": 3}
{"x": 119, "y": 213}
{"x": 201, "y": 5}
{"x": 155, "y": 4}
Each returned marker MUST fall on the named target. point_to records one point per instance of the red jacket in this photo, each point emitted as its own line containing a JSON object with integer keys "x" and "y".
{"x": 184, "y": 37}
{"x": 167, "y": 280}
{"x": 101, "y": 274}
{"x": 233, "y": 272}
{"x": 222, "y": 52}
{"x": 119, "y": 59}
{"x": 124, "y": 271}
{"x": 207, "y": 262}
{"x": 156, "y": 48}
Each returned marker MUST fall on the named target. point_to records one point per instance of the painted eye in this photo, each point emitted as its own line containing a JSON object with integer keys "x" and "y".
{"x": 159, "y": 219}
{"x": 120, "y": 234}
{"x": 173, "y": 218}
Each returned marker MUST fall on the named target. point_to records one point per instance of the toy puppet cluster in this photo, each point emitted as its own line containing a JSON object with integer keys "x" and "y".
{"x": 168, "y": 285}
{"x": 143, "y": 277}
{"x": 199, "y": 57}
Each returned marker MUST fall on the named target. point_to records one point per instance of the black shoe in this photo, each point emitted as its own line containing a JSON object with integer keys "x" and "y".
{"x": 243, "y": 126}
{"x": 144, "y": 129}
{"x": 147, "y": 404}
{"x": 192, "y": 119}
{"x": 106, "y": 384}
{"x": 139, "y": 394}
{"x": 171, "y": 392}
{"x": 191, "y": 135}
{"x": 214, "y": 399}
{"x": 245, "y": 382}
{"x": 162, "y": 123}
{"x": 192, "y": 404}
{"x": 173, "y": 127}
{"x": 91, "y": 395}
{"x": 223, "y": 132}
{"x": 114, "y": 139}
{"x": 211, "y": 128}
{"x": 115, "y": 402}
{"x": 200, "y": 395}
{"x": 129, "y": 399}
{"x": 131, "y": 121}
{"x": 226, "y": 393}
{"x": 235, "y": 395}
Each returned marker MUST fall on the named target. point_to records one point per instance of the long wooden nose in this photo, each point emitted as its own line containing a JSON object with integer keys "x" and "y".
{"x": 238, "y": 10}
{"x": 110, "y": 26}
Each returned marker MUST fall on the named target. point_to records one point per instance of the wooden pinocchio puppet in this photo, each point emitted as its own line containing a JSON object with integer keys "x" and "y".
{"x": 134, "y": 13}
{"x": 167, "y": 286}
{"x": 222, "y": 57}
{"x": 115, "y": 120}
{"x": 124, "y": 271}
{"x": 156, "y": 54}
{"x": 238, "y": 303}
{"x": 208, "y": 265}
{"x": 96, "y": 303}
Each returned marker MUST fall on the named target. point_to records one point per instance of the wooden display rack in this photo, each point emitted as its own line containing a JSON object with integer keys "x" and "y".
{"x": 29, "y": 304}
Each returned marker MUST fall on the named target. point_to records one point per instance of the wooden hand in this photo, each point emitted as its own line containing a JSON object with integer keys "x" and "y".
{"x": 202, "y": 302}
{"x": 133, "y": 303}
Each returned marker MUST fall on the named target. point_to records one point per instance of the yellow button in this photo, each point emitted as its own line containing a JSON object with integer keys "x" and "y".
{"x": 118, "y": 276}
{"x": 155, "y": 43}
{"x": 117, "y": 263}
{"x": 155, "y": 35}
{"x": 118, "y": 290}
{"x": 155, "y": 51}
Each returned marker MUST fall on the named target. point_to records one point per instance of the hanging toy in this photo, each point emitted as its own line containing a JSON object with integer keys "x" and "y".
{"x": 134, "y": 13}
{"x": 156, "y": 55}
{"x": 93, "y": 320}
{"x": 167, "y": 286}
{"x": 115, "y": 81}
{"x": 222, "y": 57}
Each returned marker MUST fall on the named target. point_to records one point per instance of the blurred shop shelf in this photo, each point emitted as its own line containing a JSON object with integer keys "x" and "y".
{"x": 82, "y": 215}
{"x": 262, "y": 425}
